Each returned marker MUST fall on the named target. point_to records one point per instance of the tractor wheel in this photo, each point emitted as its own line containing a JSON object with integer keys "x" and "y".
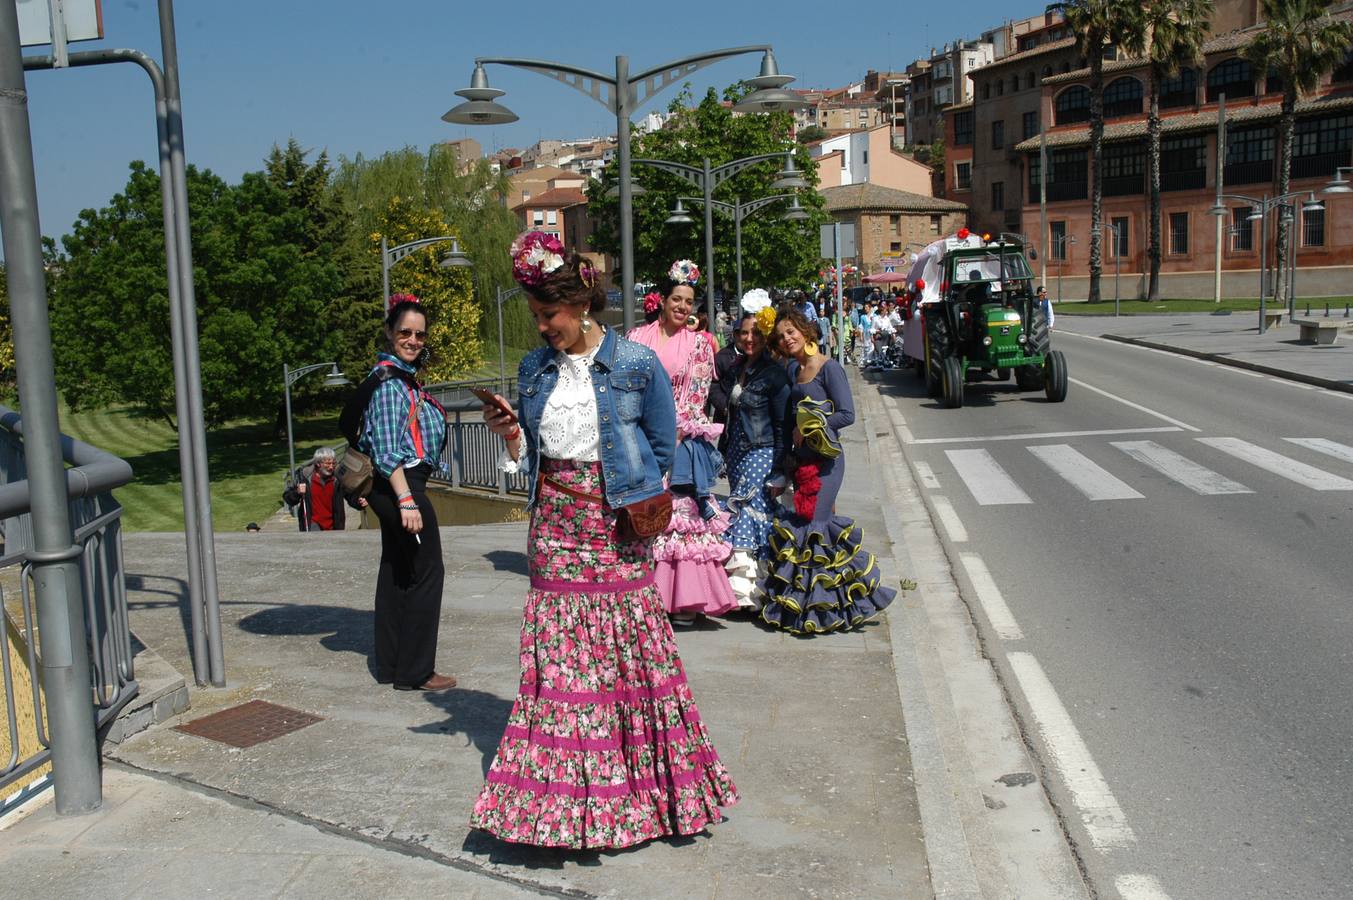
{"x": 1029, "y": 378}
{"x": 1054, "y": 376}
{"x": 1039, "y": 338}
{"x": 938, "y": 348}
{"x": 952, "y": 383}
{"x": 1003, "y": 373}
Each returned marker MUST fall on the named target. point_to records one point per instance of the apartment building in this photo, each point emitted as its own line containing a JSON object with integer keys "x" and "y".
{"x": 860, "y": 157}
{"x": 1323, "y": 245}
{"x": 940, "y": 82}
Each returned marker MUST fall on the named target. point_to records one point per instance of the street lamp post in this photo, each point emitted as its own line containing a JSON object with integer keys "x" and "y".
{"x": 1062, "y": 240}
{"x": 503, "y": 295}
{"x": 707, "y": 178}
{"x": 392, "y": 255}
{"x": 621, "y": 96}
{"x": 1117, "y": 263}
{"x": 1260, "y": 207}
{"x": 739, "y": 211}
{"x": 290, "y": 376}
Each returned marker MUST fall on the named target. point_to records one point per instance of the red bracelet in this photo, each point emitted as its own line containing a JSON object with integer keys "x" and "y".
{"x": 516, "y": 433}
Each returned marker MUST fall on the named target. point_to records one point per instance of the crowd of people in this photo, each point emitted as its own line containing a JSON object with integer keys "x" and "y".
{"x": 672, "y": 475}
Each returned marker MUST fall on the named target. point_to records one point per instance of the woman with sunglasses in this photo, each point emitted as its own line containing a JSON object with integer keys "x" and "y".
{"x": 404, "y": 431}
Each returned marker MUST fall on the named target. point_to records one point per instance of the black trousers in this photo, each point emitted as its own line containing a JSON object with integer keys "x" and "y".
{"x": 408, "y": 586}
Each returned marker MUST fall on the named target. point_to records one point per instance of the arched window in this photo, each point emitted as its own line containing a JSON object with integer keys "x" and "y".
{"x": 1123, "y": 97}
{"x": 1047, "y": 71}
{"x": 1231, "y": 77}
{"x": 1181, "y": 90}
{"x": 1073, "y": 105}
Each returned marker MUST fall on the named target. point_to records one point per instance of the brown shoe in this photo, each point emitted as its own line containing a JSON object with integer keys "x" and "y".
{"x": 435, "y": 682}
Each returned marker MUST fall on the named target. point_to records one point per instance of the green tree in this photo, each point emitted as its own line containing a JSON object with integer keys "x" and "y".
{"x": 1300, "y": 43}
{"x": 1174, "y": 35}
{"x": 7, "y": 383}
{"x": 1099, "y": 25}
{"x": 810, "y": 133}
{"x": 774, "y": 252}
{"x": 263, "y": 290}
{"x": 466, "y": 195}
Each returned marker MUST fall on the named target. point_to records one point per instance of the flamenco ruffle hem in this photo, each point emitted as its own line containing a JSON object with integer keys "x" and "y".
{"x": 821, "y": 579}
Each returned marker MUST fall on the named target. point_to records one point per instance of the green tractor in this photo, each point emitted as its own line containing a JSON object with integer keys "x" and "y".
{"x": 987, "y": 319}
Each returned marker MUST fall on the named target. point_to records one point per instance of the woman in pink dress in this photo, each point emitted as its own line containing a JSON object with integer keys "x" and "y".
{"x": 690, "y": 555}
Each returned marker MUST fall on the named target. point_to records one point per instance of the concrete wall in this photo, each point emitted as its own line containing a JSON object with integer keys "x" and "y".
{"x": 1312, "y": 284}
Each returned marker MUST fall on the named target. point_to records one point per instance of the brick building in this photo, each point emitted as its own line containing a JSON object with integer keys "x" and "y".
{"x": 891, "y": 223}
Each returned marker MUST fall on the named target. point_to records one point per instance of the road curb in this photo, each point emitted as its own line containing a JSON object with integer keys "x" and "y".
{"x": 1224, "y": 360}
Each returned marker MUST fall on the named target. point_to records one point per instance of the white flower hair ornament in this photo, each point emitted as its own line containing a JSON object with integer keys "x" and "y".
{"x": 684, "y": 271}
{"x": 755, "y": 300}
{"x": 535, "y": 254}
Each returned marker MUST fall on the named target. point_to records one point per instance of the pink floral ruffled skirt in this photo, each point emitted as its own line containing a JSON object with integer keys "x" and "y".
{"x": 690, "y": 558}
{"x": 604, "y": 746}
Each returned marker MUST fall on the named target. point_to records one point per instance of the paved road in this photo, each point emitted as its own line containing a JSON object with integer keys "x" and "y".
{"x": 1161, "y": 567}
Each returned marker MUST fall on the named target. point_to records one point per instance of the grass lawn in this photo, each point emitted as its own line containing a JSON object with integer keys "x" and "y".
{"x": 1167, "y": 307}
{"x": 247, "y": 464}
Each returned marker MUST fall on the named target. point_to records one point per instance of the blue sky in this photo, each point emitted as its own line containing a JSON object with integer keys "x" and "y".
{"x": 365, "y": 77}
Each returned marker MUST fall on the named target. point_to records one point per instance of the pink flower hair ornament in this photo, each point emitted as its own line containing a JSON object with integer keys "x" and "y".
{"x": 535, "y": 255}
{"x": 684, "y": 271}
{"x": 404, "y": 298}
{"x": 652, "y": 300}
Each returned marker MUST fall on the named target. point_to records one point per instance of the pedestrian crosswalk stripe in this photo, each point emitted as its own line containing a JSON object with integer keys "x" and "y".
{"x": 1180, "y": 469}
{"x": 986, "y": 480}
{"x": 1328, "y": 447}
{"x": 1083, "y": 473}
{"x": 1282, "y": 466}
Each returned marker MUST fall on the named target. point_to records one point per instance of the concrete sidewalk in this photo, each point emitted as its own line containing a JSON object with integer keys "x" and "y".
{"x": 1233, "y": 340}
{"x": 374, "y": 798}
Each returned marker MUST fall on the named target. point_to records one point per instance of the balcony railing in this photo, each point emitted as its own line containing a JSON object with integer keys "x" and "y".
{"x": 472, "y": 453}
{"x": 1248, "y": 172}
{"x": 1187, "y": 180}
{"x": 1122, "y": 108}
{"x": 1320, "y": 165}
{"x": 1065, "y": 190}
{"x": 96, "y": 520}
{"x": 1124, "y": 185}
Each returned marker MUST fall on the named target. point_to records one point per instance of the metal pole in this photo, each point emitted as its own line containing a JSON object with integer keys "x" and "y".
{"x": 291, "y": 446}
{"x": 196, "y": 427}
{"x": 707, "y": 182}
{"x": 1061, "y": 264}
{"x": 56, "y": 577}
{"x": 194, "y": 579}
{"x": 1263, "y": 260}
{"x": 622, "y": 138}
{"x": 385, "y": 276}
{"x": 502, "y": 353}
{"x": 737, "y": 242}
{"x": 1221, "y": 177}
{"x": 1117, "y": 265}
{"x": 836, "y": 246}
{"x": 1043, "y": 207}
{"x": 1292, "y": 264}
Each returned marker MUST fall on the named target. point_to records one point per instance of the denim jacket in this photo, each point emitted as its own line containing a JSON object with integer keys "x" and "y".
{"x": 761, "y": 406}
{"x": 636, "y": 417}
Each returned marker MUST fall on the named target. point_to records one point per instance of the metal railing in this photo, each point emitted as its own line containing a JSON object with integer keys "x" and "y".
{"x": 96, "y": 520}
{"x": 472, "y": 453}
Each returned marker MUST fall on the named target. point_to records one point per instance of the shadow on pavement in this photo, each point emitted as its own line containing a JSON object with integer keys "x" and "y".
{"x": 508, "y": 561}
{"x": 344, "y": 630}
{"x": 479, "y": 715}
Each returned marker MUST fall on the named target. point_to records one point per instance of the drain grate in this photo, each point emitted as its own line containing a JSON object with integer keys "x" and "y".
{"x": 249, "y": 723}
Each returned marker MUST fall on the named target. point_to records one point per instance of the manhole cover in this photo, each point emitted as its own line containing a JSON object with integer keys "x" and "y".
{"x": 249, "y": 723}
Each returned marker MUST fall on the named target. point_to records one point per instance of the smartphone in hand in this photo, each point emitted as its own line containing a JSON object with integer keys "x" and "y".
{"x": 489, "y": 398}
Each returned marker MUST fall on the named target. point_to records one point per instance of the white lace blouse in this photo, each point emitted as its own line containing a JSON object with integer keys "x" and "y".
{"x": 568, "y": 425}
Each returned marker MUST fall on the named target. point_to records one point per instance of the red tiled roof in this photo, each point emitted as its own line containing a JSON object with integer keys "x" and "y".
{"x": 559, "y": 198}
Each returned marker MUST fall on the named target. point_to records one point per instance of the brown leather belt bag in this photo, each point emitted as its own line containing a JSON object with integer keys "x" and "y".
{"x": 638, "y": 521}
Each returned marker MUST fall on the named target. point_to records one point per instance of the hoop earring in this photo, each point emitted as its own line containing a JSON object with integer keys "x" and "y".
{"x": 586, "y": 325}
{"x": 810, "y": 349}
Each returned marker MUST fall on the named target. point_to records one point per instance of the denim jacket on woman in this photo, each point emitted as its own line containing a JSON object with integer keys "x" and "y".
{"x": 636, "y": 417}
{"x": 762, "y": 404}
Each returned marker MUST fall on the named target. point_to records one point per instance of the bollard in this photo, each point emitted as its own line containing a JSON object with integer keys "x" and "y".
{"x": 1308, "y": 310}
{"x": 1327, "y": 310}
{"x": 1345, "y": 310}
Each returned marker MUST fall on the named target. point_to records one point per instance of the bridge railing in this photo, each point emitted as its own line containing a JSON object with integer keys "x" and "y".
{"x": 96, "y": 520}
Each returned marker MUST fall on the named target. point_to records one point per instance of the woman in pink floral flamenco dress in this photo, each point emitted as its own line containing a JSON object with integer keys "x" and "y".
{"x": 692, "y": 553}
{"x": 604, "y": 747}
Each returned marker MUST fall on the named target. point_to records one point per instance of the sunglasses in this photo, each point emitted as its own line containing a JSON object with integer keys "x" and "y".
{"x": 405, "y": 333}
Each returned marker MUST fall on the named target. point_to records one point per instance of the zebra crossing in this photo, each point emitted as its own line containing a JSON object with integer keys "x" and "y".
{"x": 987, "y": 474}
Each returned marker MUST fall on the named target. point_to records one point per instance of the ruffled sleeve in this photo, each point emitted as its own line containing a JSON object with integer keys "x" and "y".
{"x": 692, "y": 393}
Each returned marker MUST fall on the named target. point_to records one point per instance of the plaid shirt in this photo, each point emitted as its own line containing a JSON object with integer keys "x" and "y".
{"x": 386, "y": 436}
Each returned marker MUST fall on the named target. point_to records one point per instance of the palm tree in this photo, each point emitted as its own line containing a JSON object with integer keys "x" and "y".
{"x": 1175, "y": 31}
{"x": 1300, "y": 43}
{"x": 1099, "y": 25}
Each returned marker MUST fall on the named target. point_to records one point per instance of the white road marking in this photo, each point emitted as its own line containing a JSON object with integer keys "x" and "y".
{"x": 998, "y": 613}
{"x": 1046, "y": 435}
{"x": 1282, "y": 466}
{"x": 986, "y": 480}
{"x": 1139, "y": 887}
{"x": 1296, "y": 384}
{"x": 1241, "y": 371}
{"x": 1084, "y": 474}
{"x": 895, "y": 416}
{"x": 953, "y": 525}
{"x": 1321, "y": 445}
{"x": 927, "y": 475}
{"x": 1103, "y": 817}
{"x": 1136, "y": 406}
{"x": 1177, "y": 468}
